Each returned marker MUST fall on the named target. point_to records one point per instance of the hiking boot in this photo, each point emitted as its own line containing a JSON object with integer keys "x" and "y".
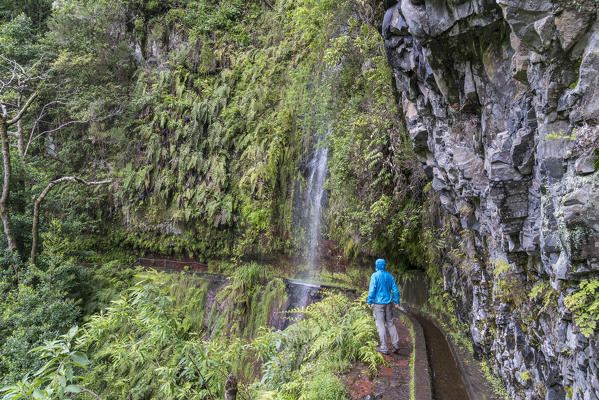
{"x": 381, "y": 351}
{"x": 396, "y": 349}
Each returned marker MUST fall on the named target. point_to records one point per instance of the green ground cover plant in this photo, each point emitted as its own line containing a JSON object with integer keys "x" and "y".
{"x": 154, "y": 342}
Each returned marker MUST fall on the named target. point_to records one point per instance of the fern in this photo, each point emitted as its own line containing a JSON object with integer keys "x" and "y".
{"x": 584, "y": 303}
{"x": 328, "y": 336}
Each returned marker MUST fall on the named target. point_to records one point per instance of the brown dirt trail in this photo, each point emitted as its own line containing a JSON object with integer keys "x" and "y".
{"x": 392, "y": 382}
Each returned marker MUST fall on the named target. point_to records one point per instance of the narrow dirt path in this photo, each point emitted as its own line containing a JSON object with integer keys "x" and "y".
{"x": 392, "y": 382}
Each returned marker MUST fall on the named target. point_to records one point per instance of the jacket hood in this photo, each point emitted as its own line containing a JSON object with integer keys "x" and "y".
{"x": 380, "y": 264}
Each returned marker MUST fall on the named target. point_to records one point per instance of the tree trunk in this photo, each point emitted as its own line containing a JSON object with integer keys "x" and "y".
{"x": 4, "y": 214}
{"x": 231, "y": 388}
{"x": 20, "y": 144}
{"x": 4, "y": 124}
{"x": 34, "y": 229}
{"x": 38, "y": 202}
{"x": 20, "y": 147}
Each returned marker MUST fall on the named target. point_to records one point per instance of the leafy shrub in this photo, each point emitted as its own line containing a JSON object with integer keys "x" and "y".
{"x": 143, "y": 345}
{"x": 153, "y": 342}
{"x": 106, "y": 284}
{"x": 57, "y": 377}
{"x": 37, "y": 303}
{"x": 325, "y": 386}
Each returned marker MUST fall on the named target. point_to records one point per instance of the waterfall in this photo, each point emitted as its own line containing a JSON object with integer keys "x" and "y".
{"x": 314, "y": 196}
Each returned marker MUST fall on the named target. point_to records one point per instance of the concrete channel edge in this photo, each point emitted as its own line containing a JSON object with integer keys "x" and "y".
{"x": 422, "y": 372}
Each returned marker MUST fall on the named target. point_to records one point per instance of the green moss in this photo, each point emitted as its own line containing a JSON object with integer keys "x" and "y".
{"x": 574, "y": 84}
{"x": 561, "y": 135}
{"x": 441, "y": 306}
{"x": 577, "y": 67}
{"x": 498, "y": 386}
{"x": 507, "y": 284}
{"x": 569, "y": 391}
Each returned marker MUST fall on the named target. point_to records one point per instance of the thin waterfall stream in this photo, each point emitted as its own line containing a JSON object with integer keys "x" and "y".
{"x": 311, "y": 213}
{"x": 314, "y": 199}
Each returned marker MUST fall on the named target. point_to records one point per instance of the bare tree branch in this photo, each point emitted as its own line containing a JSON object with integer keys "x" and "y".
{"x": 19, "y": 71}
{"x": 8, "y": 83}
{"x": 43, "y": 112}
{"x": 59, "y": 127}
{"x": 33, "y": 139}
{"x": 40, "y": 198}
{"x": 19, "y": 77}
{"x": 23, "y": 109}
{"x": 15, "y": 65}
{"x": 19, "y": 133}
{"x": 86, "y": 390}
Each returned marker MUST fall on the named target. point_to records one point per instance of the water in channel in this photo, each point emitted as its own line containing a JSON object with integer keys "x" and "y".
{"x": 446, "y": 379}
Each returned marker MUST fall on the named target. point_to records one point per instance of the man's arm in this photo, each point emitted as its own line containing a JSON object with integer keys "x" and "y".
{"x": 371, "y": 290}
{"x": 395, "y": 290}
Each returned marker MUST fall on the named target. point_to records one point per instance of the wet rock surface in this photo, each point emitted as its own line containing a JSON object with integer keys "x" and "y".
{"x": 501, "y": 101}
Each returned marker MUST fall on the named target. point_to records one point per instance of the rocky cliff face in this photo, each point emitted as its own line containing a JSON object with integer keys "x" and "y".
{"x": 501, "y": 100}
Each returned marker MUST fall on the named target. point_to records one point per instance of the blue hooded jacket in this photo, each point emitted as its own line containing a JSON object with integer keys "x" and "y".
{"x": 381, "y": 286}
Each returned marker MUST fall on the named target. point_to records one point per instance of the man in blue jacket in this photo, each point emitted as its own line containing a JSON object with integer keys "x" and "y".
{"x": 380, "y": 298}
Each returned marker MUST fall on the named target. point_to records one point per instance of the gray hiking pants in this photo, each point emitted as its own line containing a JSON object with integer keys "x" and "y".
{"x": 383, "y": 318}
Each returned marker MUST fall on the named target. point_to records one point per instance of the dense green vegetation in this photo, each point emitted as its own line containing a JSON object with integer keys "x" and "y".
{"x": 184, "y": 127}
{"x": 201, "y": 113}
{"x": 41, "y": 307}
{"x": 156, "y": 341}
{"x": 39, "y": 303}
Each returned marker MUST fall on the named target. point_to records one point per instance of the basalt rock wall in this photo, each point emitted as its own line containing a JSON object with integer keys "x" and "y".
{"x": 501, "y": 101}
